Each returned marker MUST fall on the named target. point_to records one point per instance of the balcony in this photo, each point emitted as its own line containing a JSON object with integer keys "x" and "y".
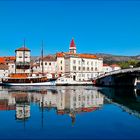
{"x": 22, "y": 65}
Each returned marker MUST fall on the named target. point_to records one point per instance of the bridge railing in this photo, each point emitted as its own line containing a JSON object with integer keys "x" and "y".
{"x": 118, "y": 71}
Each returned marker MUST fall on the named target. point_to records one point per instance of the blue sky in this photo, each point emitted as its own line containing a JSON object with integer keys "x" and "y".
{"x": 98, "y": 26}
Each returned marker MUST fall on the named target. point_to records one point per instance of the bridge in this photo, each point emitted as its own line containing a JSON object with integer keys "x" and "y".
{"x": 123, "y": 77}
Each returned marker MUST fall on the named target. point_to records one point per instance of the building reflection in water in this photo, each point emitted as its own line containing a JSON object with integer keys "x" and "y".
{"x": 64, "y": 101}
{"x": 68, "y": 101}
{"x": 22, "y": 106}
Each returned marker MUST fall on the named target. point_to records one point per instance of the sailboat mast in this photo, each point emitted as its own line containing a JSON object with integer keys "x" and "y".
{"x": 24, "y": 55}
{"x": 42, "y": 58}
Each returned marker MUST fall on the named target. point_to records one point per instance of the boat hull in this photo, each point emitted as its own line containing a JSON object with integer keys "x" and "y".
{"x": 49, "y": 83}
{"x": 73, "y": 83}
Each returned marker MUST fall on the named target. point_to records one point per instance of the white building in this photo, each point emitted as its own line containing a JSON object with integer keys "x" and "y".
{"x": 115, "y": 67}
{"x": 60, "y": 64}
{"x": 22, "y": 60}
{"x": 83, "y": 67}
{"x": 49, "y": 67}
{"x": 109, "y": 68}
{"x": 79, "y": 66}
{"x": 11, "y": 64}
{"x": 4, "y": 70}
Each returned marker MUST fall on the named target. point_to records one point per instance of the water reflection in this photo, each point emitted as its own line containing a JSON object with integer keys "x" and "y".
{"x": 69, "y": 112}
{"x": 126, "y": 98}
{"x": 65, "y": 100}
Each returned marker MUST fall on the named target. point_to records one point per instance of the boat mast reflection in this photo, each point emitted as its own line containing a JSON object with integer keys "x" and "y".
{"x": 64, "y": 101}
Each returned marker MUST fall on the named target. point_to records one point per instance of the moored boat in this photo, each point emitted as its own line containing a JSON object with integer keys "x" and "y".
{"x": 68, "y": 81}
{"x": 23, "y": 75}
{"x": 26, "y": 80}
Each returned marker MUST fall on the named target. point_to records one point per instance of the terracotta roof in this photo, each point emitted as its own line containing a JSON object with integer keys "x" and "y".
{"x": 105, "y": 65}
{"x": 48, "y": 58}
{"x": 72, "y": 44}
{"x": 114, "y": 65}
{"x": 90, "y": 56}
{"x": 23, "y": 49}
{"x": 2, "y": 60}
{"x": 61, "y": 54}
{"x": 3, "y": 67}
{"x": 10, "y": 58}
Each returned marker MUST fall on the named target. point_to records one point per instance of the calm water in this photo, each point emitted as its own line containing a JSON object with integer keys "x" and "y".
{"x": 69, "y": 112}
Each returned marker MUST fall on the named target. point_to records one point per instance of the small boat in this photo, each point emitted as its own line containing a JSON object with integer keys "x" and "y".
{"x": 68, "y": 81}
{"x": 26, "y": 80}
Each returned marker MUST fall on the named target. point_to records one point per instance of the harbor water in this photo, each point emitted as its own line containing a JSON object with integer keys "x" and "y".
{"x": 69, "y": 112}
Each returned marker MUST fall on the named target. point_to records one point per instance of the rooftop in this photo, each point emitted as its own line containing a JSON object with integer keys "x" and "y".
{"x": 23, "y": 48}
{"x": 88, "y": 56}
{"x": 3, "y": 67}
{"x": 114, "y": 65}
{"x": 48, "y": 58}
{"x": 2, "y": 60}
{"x": 105, "y": 65}
{"x": 72, "y": 44}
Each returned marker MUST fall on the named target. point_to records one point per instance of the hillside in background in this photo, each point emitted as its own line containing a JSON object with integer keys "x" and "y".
{"x": 123, "y": 61}
{"x": 110, "y": 59}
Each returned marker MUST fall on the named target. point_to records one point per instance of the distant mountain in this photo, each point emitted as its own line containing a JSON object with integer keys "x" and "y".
{"x": 108, "y": 58}
{"x": 33, "y": 58}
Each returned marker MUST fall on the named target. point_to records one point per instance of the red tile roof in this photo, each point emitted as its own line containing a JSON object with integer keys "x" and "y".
{"x": 22, "y": 49}
{"x": 61, "y": 54}
{"x": 2, "y": 60}
{"x": 10, "y": 58}
{"x": 3, "y": 67}
{"x": 48, "y": 58}
{"x": 105, "y": 65}
{"x": 114, "y": 65}
{"x": 89, "y": 56}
